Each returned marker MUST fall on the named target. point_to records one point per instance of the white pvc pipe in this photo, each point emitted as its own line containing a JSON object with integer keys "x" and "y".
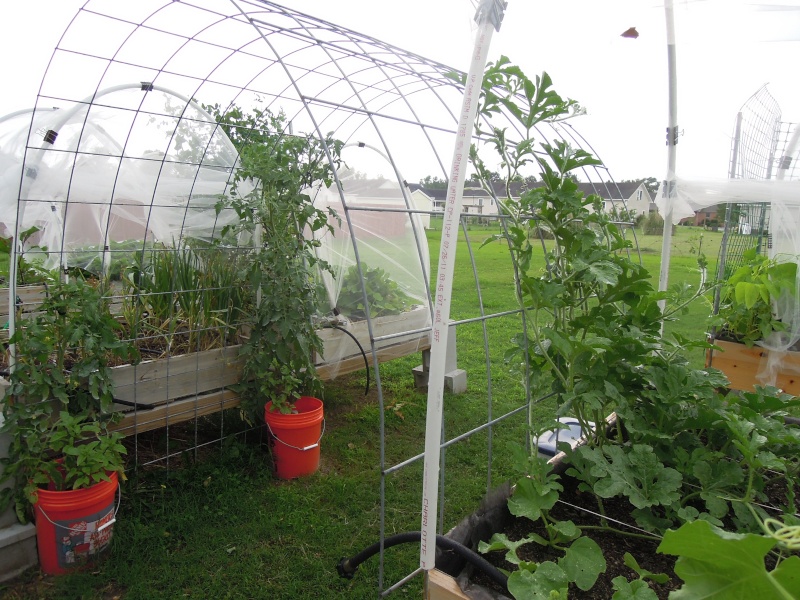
{"x": 443, "y": 291}
{"x": 668, "y": 188}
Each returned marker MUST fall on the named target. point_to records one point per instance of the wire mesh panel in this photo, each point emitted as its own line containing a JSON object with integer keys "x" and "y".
{"x": 748, "y": 228}
{"x": 758, "y": 151}
{"x": 755, "y": 137}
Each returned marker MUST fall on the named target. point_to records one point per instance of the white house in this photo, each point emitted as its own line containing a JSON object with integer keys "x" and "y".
{"x": 478, "y": 202}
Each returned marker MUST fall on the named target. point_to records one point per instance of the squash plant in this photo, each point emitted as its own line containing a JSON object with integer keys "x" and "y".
{"x": 270, "y": 194}
{"x": 717, "y": 564}
{"x": 59, "y": 405}
{"x": 681, "y": 451}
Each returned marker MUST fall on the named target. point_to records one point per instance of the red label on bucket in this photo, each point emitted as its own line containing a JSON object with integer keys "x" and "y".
{"x": 79, "y": 540}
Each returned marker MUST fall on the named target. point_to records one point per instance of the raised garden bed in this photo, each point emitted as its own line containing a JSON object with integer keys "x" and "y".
{"x": 742, "y": 366}
{"x": 180, "y": 388}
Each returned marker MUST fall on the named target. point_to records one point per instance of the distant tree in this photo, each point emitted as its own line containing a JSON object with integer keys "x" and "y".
{"x": 433, "y": 183}
{"x": 623, "y": 215}
{"x": 651, "y": 183}
{"x": 653, "y": 224}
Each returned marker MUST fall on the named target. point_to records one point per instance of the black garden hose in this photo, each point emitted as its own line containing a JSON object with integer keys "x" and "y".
{"x": 364, "y": 354}
{"x": 347, "y": 566}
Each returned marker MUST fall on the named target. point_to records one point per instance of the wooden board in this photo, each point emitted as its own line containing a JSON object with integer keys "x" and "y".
{"x": 29, "y": 299}
{"x": 440, "y": 586}
{"x": 203, "y": 396}
{"x": 742, "y": 365}
{"x": 162, "y": 380}
{"x": 176, "y": 412}
{"x": 356, "y": 362}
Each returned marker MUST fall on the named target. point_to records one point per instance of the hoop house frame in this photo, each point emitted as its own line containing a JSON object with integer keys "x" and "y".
{"x": 143, "y": 108}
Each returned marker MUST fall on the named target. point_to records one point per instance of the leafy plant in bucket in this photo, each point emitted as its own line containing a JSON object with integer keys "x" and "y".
{"x": 59, "y": 406}
{"x": 270, "y": 195}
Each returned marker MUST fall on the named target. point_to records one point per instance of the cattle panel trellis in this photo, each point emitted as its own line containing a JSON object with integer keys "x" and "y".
{"x": 119, "y": 168}
{"x": 763, "y": 147}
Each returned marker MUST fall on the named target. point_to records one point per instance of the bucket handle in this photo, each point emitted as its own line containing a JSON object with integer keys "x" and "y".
{"x": 311, "y": 447}
{"x": 113, "y": 520}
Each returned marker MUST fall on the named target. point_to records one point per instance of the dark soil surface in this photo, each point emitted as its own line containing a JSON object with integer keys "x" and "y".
{"x": 613, "y": 545}
{"x": 581, "y": 509}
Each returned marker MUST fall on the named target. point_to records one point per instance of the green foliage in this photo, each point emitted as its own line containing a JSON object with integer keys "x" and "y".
{"x": 270, "y": 196}
{"x": 59, "y": 402}
{"x": 622, "y": 214}
{"x": 748, "y": 298}
{"x": 635, "y": 473}
{"x": 120, "y": 255}
{"x": 681, "y": 451}
{"x": 191, "y": 295}
{"x": 535, "y": 493}
{"x": 581, "y": 564}
{"x": 66, "y": 349}
{"x": 87, "y": 453}
{"x": 653, "y": 224}
{"x": 384, "y": 296}
{"x": 719, "y": 565}
{"x": 28, "y": 271}
{"x": 592, "y": 318}
{"x": 638, "y": 589}
{"x": 434, "y": 183}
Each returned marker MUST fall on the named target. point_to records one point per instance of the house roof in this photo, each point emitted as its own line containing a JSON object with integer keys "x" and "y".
{"x": 608, "y": 191}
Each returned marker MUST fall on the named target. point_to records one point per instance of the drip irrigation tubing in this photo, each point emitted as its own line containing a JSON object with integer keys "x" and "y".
{"x": 348, "y": 566}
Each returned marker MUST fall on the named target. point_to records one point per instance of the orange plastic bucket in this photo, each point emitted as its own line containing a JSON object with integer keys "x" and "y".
{"x": 74, "y": 526}
{"x": 296, "y": 437}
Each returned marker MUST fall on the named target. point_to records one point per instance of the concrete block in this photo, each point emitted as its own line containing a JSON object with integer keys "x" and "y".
{"x": 456, "y": 381}
{"x": 420, "y": 377}
{"x": 17, "y": 541}
{"x": 17, "y": 550}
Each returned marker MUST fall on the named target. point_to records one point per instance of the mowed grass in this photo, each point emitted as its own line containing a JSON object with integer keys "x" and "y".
{"x": 218, "y": 525}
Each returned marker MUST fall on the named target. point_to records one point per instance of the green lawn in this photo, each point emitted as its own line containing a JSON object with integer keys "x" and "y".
{"x": 217, "y": 525}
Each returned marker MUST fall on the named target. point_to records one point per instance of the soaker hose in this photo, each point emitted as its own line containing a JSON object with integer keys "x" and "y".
{"x": 348, "y": 566}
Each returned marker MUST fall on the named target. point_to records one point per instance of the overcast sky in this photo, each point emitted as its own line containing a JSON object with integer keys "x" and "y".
{"x": 727, "y": 49}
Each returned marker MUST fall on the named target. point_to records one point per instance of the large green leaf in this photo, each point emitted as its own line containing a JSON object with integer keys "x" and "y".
{"x": 633, "y": 590}
{"x": 583, "y": 562}
{"x": 719, "y": 565}
{"x": 638, "y": 474}
{"x": 531, "y": 498}
{"x": 549, "y": 582}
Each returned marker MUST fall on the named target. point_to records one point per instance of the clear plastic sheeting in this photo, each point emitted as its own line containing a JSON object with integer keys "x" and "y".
{"x": 377, "y": 241}
{"x": 99, "y": 173}
{"x": 693, "y": 195}
{"x": 783, "y": 200}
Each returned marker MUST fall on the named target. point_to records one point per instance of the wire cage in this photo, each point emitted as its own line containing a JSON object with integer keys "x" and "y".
{"x": 760, "y": 214}
{"x": 119, "y": 168}
{"x": 753, "y": 150}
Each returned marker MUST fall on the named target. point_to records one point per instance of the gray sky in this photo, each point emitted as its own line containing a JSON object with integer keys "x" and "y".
{"x": 726, "y": 50}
